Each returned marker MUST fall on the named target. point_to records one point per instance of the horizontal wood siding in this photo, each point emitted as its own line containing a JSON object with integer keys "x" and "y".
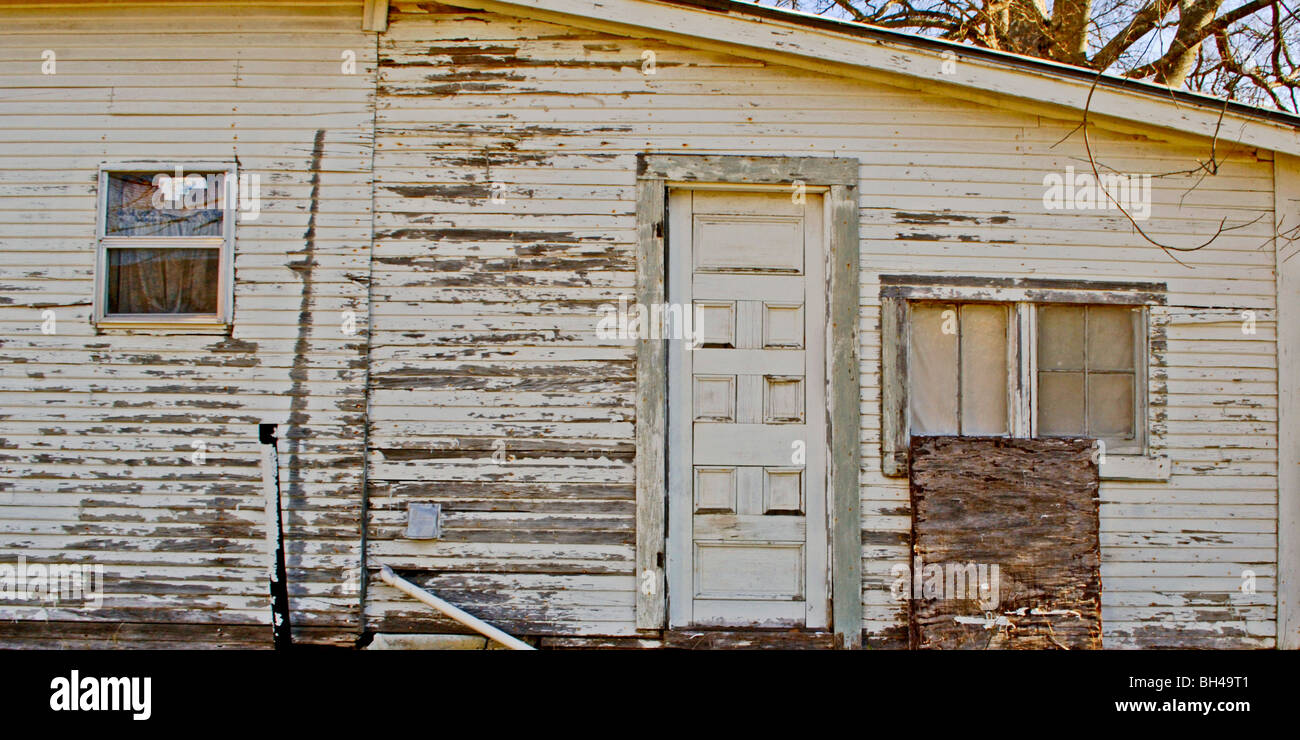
{"x": 98, "y": 429}
{"x": 489, "y": 390}
{"x": 485, "y": 314}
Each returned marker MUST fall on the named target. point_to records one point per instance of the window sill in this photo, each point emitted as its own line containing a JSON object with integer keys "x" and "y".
{"x": 1135, "y": 467}
{"x": 110, "y": 326}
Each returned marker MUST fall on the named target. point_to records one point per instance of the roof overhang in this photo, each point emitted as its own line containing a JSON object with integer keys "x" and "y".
{"x": 905, "y": 60}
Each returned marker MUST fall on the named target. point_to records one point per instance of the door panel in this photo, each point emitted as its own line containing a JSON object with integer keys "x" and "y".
{"x": 747, "y": 535}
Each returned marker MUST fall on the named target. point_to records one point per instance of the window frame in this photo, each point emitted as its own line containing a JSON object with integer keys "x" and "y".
{"x": 1138, "y": 461}
{"x": 197, "y": 323}
{"x": 655, "y": 173}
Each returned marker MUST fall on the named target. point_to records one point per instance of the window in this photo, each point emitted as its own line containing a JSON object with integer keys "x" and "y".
{"x": 1087, "y": 374}
{"x": 164, "y": 248}
{"x": 1043, "y": 362}
{"x": 958, "y": 363}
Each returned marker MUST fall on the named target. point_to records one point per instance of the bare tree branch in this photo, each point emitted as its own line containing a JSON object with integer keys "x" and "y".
{"x": 1251, "y": 57}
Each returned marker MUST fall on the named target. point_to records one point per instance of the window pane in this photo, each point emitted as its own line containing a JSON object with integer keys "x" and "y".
{"x": 1110, "y": 338}
{"x": 932, "y": 369}
{"x": 1110, "y": 405}
{"x": 1060, "y": 404}
{"x": 135, "y": 207}
{"x": 1060, "y": 338}
{"x": 163, "y": 281}
{"x": 983, "y": 370}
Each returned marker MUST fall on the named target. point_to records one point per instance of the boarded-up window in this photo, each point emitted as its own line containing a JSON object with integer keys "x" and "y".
{"x": 1002, "y": 559}
{"x": 958, "y": 369}
{"x": 164, "y": 244}
{"x": 1087, "y": 373}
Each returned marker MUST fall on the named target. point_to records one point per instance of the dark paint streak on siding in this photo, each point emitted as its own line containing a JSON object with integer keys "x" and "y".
{"x": 945, "y": 218}
{"x": 473, "y": 235}
{"x": 304, "y": 269}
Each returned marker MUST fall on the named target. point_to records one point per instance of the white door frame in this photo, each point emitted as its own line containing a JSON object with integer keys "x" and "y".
{"x": 838, "y": 177}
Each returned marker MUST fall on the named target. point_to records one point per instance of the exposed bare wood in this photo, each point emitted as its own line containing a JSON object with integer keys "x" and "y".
{"x": 748, "y": 640}
{"x": 894, "y": 427}
{"x": 651, "y": 428}
{"x": 845, "y": 416}
{"x": 1031, "y": 545}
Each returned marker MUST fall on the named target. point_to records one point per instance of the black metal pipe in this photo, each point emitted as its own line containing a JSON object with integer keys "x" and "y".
{"x": 281, "y": 635}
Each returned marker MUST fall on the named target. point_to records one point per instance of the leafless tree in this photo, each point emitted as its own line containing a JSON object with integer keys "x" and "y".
{"x": 1245, "y": 50}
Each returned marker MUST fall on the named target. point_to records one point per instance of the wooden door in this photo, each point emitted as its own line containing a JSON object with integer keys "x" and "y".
{"x": 747, "y": 525}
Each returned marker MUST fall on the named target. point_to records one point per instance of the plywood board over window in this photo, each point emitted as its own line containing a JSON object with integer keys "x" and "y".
{"x": 1004, "y": 560}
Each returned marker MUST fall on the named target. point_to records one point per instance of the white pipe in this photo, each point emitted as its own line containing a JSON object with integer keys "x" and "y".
{"x": 271, "y": 493}
{"x": 465, "y": 618}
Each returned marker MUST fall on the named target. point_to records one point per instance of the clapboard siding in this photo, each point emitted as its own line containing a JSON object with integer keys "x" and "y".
{"x": 484, "y": 342}
{"x": 485, "y": 312}
{"x": 476, "y": 378}
{"x": 98, "y": 431}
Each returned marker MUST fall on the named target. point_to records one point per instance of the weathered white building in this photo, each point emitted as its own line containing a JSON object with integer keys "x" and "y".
{"x": 442, "y": 219}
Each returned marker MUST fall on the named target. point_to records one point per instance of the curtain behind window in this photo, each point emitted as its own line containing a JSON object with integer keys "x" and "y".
{"x": 132, "y": 211}
{"x": 163, "y": 280}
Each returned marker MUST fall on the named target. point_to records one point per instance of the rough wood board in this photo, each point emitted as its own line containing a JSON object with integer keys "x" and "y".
{"x": 598, "y": 643}
{"x": 1023, "y": 283}
{"x": 845, "y": 417}
{"x": 1029, "y": 506}
{"x": 749, "y": 169}
{"x": 1286, "y": 213}
{"x": 111, "y": 635}
{"x": 893, "y": 387}
{"x": 651, "y": 413}
{"x": 956, "y": 291}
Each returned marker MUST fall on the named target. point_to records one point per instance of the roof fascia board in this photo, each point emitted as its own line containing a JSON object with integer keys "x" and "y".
{"x": 975, "y": 78}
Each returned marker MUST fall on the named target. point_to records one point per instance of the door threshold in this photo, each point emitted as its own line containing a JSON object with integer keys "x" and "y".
{"x": 704, "y": 638}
